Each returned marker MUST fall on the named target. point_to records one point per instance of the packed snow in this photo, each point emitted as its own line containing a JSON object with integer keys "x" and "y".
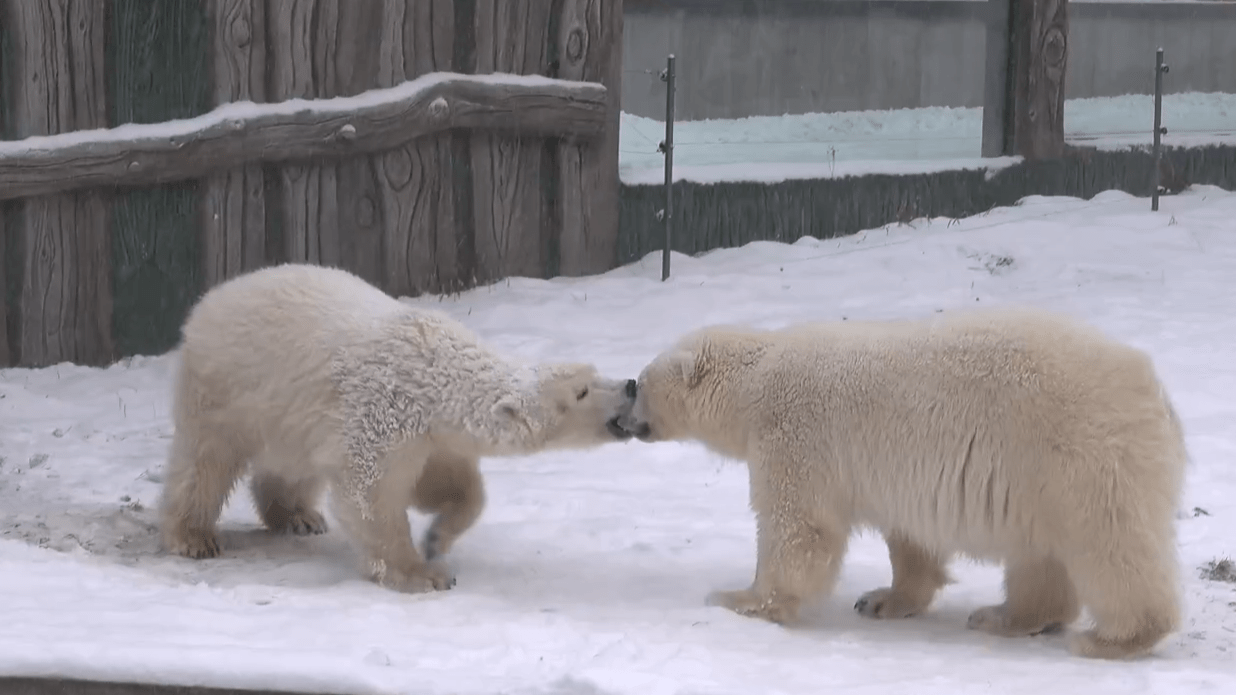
{"x": 588, "y": 571}
{"x": 924, "y": 140}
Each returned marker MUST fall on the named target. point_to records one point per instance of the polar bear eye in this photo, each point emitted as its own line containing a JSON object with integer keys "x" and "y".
{"x": 582, "y": 394}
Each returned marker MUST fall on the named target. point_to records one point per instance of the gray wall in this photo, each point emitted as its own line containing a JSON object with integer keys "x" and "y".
{"x": 739, "y": 58}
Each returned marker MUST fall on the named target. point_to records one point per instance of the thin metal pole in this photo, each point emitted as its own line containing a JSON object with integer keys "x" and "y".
{"x": 668, "y": 148}
{"x": 1159, "y": 130}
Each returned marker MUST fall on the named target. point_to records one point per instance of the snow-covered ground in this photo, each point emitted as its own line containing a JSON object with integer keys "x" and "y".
{"x": 820, "y": 145}
{"x": 588, "y": 572}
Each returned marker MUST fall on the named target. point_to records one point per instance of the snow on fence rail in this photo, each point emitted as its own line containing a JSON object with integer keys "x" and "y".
{"x": 297, "y": 130}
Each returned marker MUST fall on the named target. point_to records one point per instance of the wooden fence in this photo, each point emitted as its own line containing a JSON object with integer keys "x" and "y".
{"x": 390, "y": 153}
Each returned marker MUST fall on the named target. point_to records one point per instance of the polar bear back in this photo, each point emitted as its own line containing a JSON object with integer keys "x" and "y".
{"x": 320, "y": 306}
{"x": 263, "y": 344}
{"x": 968, "y": 428}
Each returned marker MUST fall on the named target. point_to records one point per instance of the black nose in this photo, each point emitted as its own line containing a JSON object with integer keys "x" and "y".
{"x": 631, "y": 387}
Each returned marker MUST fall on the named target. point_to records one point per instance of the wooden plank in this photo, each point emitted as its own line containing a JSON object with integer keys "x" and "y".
{"x": 6, "y": 358}
{"x": 347, "y": 126}
{"x": 66, "y": 291}
{"x": 233, "y": 207}
{"x": 351, "y": 67}
{"x": 511, "y": 37}
{"x": 463, "y": 201}
{"x": 997, "y": 79}
{"x": 309, "y": 194}
{"x": 1040, "y": 46}
{"x": 590, "y": 49}
{"x": 420, "y": 230}
{"x": 155, "y": 73}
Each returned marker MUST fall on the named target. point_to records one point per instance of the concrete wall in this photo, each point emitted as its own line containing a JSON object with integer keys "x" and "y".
{"x": 739, "y": 58}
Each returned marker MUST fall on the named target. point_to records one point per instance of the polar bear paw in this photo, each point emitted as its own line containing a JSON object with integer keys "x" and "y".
{"x": 886, "y": 604}
{"x": 995, "y": 620}
{"x": 424, "y": 578}
{"x": 306, "y": 522}
{"x": 196, "y": 545}
{"x": 775, "y": 609}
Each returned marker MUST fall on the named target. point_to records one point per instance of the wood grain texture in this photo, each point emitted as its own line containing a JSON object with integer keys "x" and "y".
{"x": 1040, "y": 44}
{"x": 511, "y": 37}
{"x": 590, "y": 50}
{"x": 5, "y": 355}
{"x": 459, "y": 102}
{"x": 233, "y": 204}
{"x": 350, "y": 66}
{"x": 66, "y": 289}
{"x": 331, "y": 210}
{"x": 420, "y": 232}
{"x": 155, "y": 73}
{"x": 299, "y": 30}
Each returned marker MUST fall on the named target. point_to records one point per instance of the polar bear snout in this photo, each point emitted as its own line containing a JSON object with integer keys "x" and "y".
{"x": 615, "y": 424}
{"x": 617, "y": 429}
{"x": 640, "y": 430}
{"x": 633, "y": 425}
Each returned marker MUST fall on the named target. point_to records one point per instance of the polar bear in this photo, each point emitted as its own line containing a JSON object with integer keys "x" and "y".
{"x": 1012, "y": 436}
{"x": 310, "y": 376}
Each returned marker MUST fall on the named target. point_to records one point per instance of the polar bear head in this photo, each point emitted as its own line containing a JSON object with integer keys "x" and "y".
{"x": 564, "y": 406}
{"x": 687, "y": 391}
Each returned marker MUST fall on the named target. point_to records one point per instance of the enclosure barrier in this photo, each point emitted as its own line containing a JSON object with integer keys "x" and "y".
{"x": 155, "y": 149}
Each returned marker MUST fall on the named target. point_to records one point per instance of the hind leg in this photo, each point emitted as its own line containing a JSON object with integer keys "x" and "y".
{"x": 288, "y": 506}
{"x": 1132, "y": 593}
{"x": 452, "y": 489}
{"x": 1039, "y": 597}
{"x": 917, "y": 575}
{"x": 201, "y": 471}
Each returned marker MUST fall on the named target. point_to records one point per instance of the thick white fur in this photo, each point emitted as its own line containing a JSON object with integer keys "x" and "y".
{"x": 1013, "y": 436}
{"x": 315, "y": 377}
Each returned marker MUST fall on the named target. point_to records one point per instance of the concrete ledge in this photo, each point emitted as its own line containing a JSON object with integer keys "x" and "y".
{"x": 722, "y": 215}
{"x": 738, "y": 58}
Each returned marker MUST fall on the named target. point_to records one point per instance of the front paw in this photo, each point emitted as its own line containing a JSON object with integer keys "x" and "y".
{"x": 417, "y": 579}
{"x": 886, "y": 604}
{"x": 307, "y": 522}
{"x": 197, "y": 545}
{"x": 781, "y": 610}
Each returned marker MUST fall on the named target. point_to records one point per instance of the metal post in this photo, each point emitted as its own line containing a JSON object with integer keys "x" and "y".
{"x": 668, "y": 148}
{"x": 1159, "y": 131}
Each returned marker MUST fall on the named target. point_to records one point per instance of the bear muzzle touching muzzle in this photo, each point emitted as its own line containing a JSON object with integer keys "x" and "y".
{"x": 631, "y": 424}
{"x": 614, "y": 424}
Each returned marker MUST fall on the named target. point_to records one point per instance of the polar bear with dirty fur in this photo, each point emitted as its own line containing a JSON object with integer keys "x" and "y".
{"x": 1011, "y": 436}
{"x": 311, "y": 377}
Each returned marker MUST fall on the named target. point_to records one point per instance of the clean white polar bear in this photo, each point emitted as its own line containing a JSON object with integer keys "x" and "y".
{"x": 1013, "y": 436}
{"x": 313, "y": 376}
